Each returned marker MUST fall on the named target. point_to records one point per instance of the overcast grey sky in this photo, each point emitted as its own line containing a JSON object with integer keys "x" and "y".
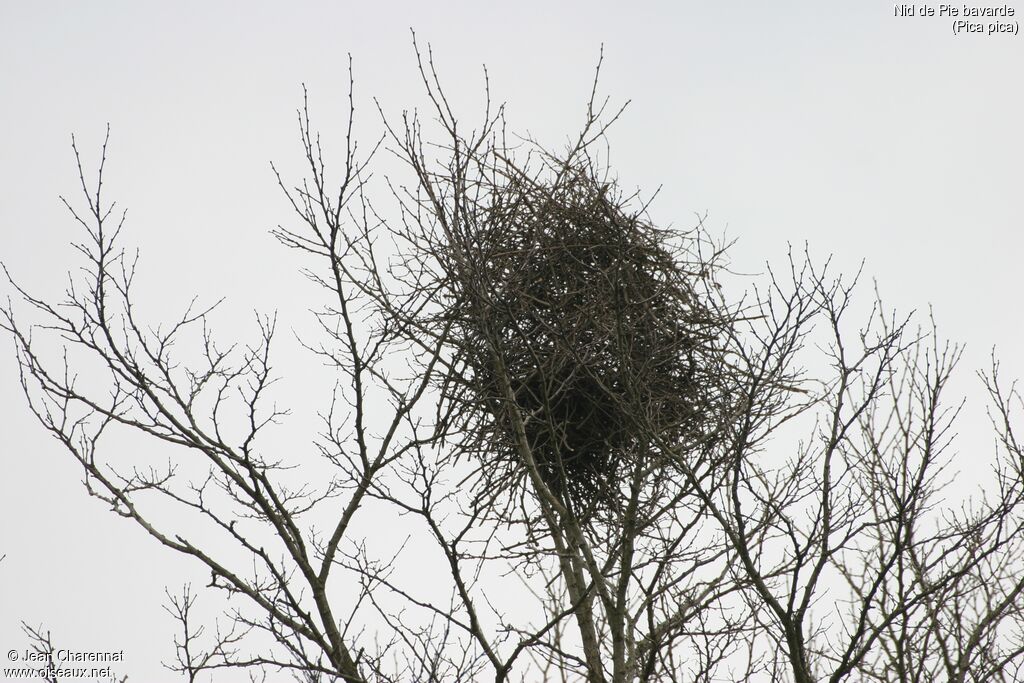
{"x": 870, "y": 137}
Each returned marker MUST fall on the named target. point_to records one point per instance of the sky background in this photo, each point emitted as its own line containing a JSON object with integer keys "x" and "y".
{"x": 869, "y": 137}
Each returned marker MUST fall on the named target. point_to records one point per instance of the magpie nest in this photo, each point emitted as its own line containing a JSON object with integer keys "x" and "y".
{"x": 581, "y": 333}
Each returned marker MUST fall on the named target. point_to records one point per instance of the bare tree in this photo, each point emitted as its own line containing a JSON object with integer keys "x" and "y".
{"x": 589, "y": 431}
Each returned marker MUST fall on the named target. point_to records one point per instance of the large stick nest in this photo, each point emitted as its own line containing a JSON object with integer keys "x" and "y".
{"x": 580, "y": 323}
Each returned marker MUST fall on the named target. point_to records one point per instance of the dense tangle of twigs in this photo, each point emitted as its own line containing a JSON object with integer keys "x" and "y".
{"x": 578, "y": 315}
